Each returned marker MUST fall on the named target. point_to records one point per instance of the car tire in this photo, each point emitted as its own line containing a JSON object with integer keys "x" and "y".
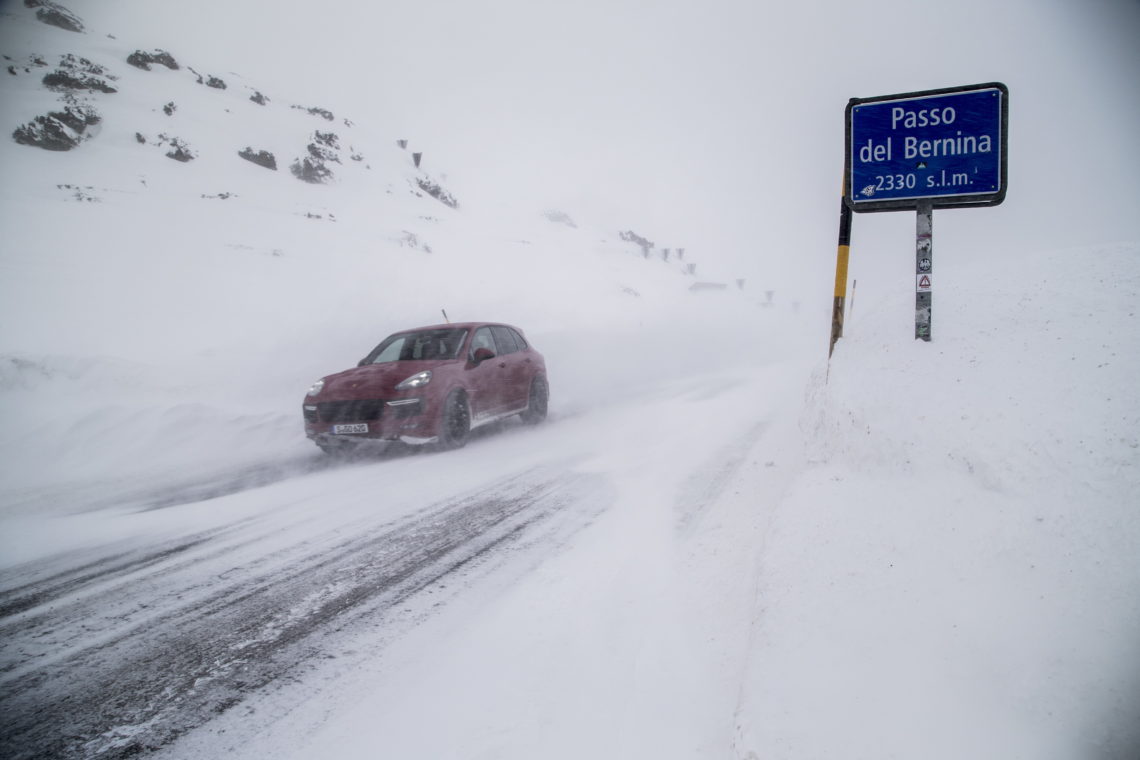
{"x": 455, "y": 426}
{"x": 535, "y": 411}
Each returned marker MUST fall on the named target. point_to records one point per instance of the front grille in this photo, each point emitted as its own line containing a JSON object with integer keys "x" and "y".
{"x": 365, "y": 410}
{"x": 404, "y": 411}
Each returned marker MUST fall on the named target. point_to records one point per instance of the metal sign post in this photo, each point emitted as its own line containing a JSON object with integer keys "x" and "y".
{"x": 924, "y": 150}
{"x": 923, "y": 268}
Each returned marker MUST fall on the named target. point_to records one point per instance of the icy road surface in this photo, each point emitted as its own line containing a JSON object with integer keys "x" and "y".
{"x": 177, "y": 608}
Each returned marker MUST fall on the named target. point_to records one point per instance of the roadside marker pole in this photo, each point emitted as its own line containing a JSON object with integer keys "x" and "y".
{"x": 840, "y": 275}
{"x": 923, "y": 270}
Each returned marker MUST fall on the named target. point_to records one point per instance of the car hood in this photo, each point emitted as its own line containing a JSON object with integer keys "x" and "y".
{"x": 373, "y": 380}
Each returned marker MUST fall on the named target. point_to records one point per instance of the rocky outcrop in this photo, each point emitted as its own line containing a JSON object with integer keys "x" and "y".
{"x": 324, "y": 113}
{"x": 322, "y": 150}
{"x": 54, "y": 14}
{"x": 74, "y": 73}
{"x": 143, "y": 60}
{"x": 435, "y": 190}
{"x": 58, "y": 130}
{"x": 261, "y": 158}
{"x": 78, "y": 116}
{"x": 179, "y": 149}
{"x": 258, "y": 98}
{"x": 211, "y": 81}
{"x": 630, "y": 236}
{"x": 325, "y": 146}
{"x": 69, "y": 126}
{"x": 311, "y": 170}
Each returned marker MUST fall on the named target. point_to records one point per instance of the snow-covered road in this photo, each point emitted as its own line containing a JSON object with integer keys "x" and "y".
{"x": 233, "y": 590}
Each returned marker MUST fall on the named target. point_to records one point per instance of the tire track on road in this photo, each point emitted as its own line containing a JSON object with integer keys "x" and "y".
{"x": 191, "y": 653}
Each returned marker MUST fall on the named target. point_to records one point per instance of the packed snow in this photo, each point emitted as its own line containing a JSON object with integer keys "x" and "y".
{"x": 719, "y": 544}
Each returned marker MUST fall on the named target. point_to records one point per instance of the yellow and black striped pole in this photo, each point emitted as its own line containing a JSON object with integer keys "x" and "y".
{"x": 840, "y": 275}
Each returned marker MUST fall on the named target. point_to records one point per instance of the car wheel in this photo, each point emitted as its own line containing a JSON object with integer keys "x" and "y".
{"x": 456, "y": 423}
{"x": 535, "y": 411}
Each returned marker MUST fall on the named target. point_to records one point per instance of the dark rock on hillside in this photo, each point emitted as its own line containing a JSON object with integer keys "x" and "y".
{"x": 169, "y": 108}
{"x": 47, "y": 133}
{"x": 55, "y": 14}
{"x": 258, "y": 98}
{"x": 312, "y": 170}
{"x": 328, "y": 139}
{"x": 143, "y": 60}
{"x": 65, "y": 80}
{"x": 261, "y": 158}
{"x": 139, "y": 138}
{"x": 322, "y": 112}
{"x": 179, "y": 149}
{"x": 436, "y": 191}
{"x": 78, "y": 116}
{"x": 79, "y": 74}
{"x": 80, "y": 193}
{"x": 58, "y": 130}
{"x": 324, "y": 148}
{"x": 630, "y": 236}
{"x": 212, "y": 81}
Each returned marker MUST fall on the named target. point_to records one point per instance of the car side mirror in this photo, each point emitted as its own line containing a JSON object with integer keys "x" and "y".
{"x": 482, "y": 354}
{"x": 362, "y": 362}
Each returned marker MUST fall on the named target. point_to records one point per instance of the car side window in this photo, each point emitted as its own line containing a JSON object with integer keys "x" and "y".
{"x": 504, "y": 339}
{"x": 482, "y": 339}
{"x": 519, "y": 339}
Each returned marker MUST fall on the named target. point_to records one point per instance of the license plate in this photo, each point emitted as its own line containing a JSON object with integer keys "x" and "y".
{"x": 361, "y": 427}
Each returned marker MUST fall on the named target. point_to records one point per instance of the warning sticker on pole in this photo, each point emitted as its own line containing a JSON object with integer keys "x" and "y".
{"x": 923, "y": 285}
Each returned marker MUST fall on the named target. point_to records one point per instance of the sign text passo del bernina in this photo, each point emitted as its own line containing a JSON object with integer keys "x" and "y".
{"x": 947, "y": 146}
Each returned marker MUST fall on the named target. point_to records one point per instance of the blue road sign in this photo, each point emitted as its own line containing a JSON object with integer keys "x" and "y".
{"x": 947, "y": 147}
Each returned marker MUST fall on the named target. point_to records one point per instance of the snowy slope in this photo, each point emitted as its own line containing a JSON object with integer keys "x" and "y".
{"x": 166, "y": 316}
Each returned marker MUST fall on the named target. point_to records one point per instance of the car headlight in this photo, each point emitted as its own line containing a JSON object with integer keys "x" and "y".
{"x": 418, "y": 380}
{"x": 316, "y": 387}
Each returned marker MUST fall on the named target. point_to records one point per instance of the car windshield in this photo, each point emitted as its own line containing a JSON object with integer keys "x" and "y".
{"x": 443, "y": 343}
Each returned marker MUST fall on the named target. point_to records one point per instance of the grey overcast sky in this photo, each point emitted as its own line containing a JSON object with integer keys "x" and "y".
{"x": 713, "y": 124}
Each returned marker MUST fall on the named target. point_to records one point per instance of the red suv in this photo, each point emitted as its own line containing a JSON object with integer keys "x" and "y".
{"x": 430, "y": 385}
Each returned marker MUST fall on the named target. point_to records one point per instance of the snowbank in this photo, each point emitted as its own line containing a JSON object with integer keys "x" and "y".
{"x": 955, "y": 573}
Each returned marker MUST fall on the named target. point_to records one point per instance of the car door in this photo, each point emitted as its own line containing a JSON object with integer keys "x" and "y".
{"x": 483, "y": 380}
{"x": 515, "y": 378}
